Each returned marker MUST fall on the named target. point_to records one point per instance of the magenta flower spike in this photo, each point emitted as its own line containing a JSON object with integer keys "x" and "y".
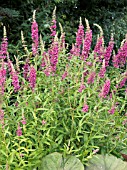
{"x": 4, "y": 46}
{"x": 53, "y": 24}
{"x": 112, "y": 110}
{"x": 108, "y": 51}
{"x": 15, "y": 81}
{"x": 19, "y": 130}
{"x": 85, "y": 108}
{"x": 14, "y": 76}
{"x": 35, "y": 39}
{"x": 105, "y": 89}
{"x": 102, "y": 70}
{"x": 32, "y": 78}
{"x": 26, "y": 69}
{"x": 2, "y": 78}
{"x": 79, "y": 38}
{"x": 91, "y": 78}
{"x": 119, "y": 60}
{"x": 53, "y": 55}
{"x": 87, "y": 42}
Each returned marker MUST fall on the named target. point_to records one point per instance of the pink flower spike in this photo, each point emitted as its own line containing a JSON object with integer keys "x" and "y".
{"x": 19, "y": 130}
{"x": 34, "y": 32}
{"x": 105, "y": 89}
{"x": 32, "y": 78}
{"x": 91, "y": 78}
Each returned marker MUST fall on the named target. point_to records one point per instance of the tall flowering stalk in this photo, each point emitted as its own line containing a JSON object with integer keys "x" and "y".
{"x": 62, "y": 39}
{"x": 102, "y": 70}
{"x": 53, "y": 53}
{"x": 32, "y": 78}
{"x": 4, "y": 46}
{"x": 82, "y": 86}
{"x": 85, "y": 106}
{"x": 19, "y": 130}
{"x": 123, "y": 81}
{"x": 105, "y": 89}
{"x": 79, "y": 38}
{"x": 2, "y": 78}
{"x": 26, "y": 69}
{"x": 99, "y": 47}
{"x": 119, "y": 60}
{"x": 34, "y": 30}
{"x": 14, "y": 76}
{"x": 87, "y": 41}
{"x": 108, "y": 51}
{"x": 53, "y": 24}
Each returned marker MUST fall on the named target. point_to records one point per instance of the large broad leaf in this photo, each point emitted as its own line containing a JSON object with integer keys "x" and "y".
{"x": 100, "y": 162}
{"x": 56, "y": 161}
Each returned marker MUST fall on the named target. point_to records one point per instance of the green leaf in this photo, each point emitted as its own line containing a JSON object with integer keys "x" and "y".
{"x": 107, "y": 162}
{"x": 55, "y": 161}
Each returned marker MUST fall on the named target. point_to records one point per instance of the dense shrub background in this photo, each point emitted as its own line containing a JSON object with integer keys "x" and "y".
{"x": 111, "y": 15}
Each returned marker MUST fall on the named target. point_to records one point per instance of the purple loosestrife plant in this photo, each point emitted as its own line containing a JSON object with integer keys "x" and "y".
{"x": 35, "y": 39}
{"x": 57, "y": 116}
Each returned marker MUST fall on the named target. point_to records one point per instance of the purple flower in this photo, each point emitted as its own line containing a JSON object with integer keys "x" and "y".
{"x": 64, "y": 75}
{"x": 34, "y": 30}
{"x": 4, "y": 46}
{"x": 91, "y": 78}
{"x": 15, "y": 81}
{"x": 53, "y": 28}
{"x": 53, "y": 53}
{"x": 112, "y": 110}
{"x": 19, "y": 130}
{"x": 2, "y": 78}
{"x": 32, "y": 77}
{"x": 85, "y": 108}
{"x": 43, "y": 122}
{"x": 99, "y": 50}
{"x": 108, "y": 52}
{"x": 119, "y": 59}
{"x": 82, "y": 87}
{"x": 87, "y": 44}
{"x": 23, "y": 121}
{"x": 26, "y": 68}
{"x": 1, "y": 114}
{"x": 105, "y": 89}
{"x": 102, "y": 72}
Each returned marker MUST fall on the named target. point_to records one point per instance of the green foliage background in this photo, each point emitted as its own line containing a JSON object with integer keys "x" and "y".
{"x": 111, "y": 15}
